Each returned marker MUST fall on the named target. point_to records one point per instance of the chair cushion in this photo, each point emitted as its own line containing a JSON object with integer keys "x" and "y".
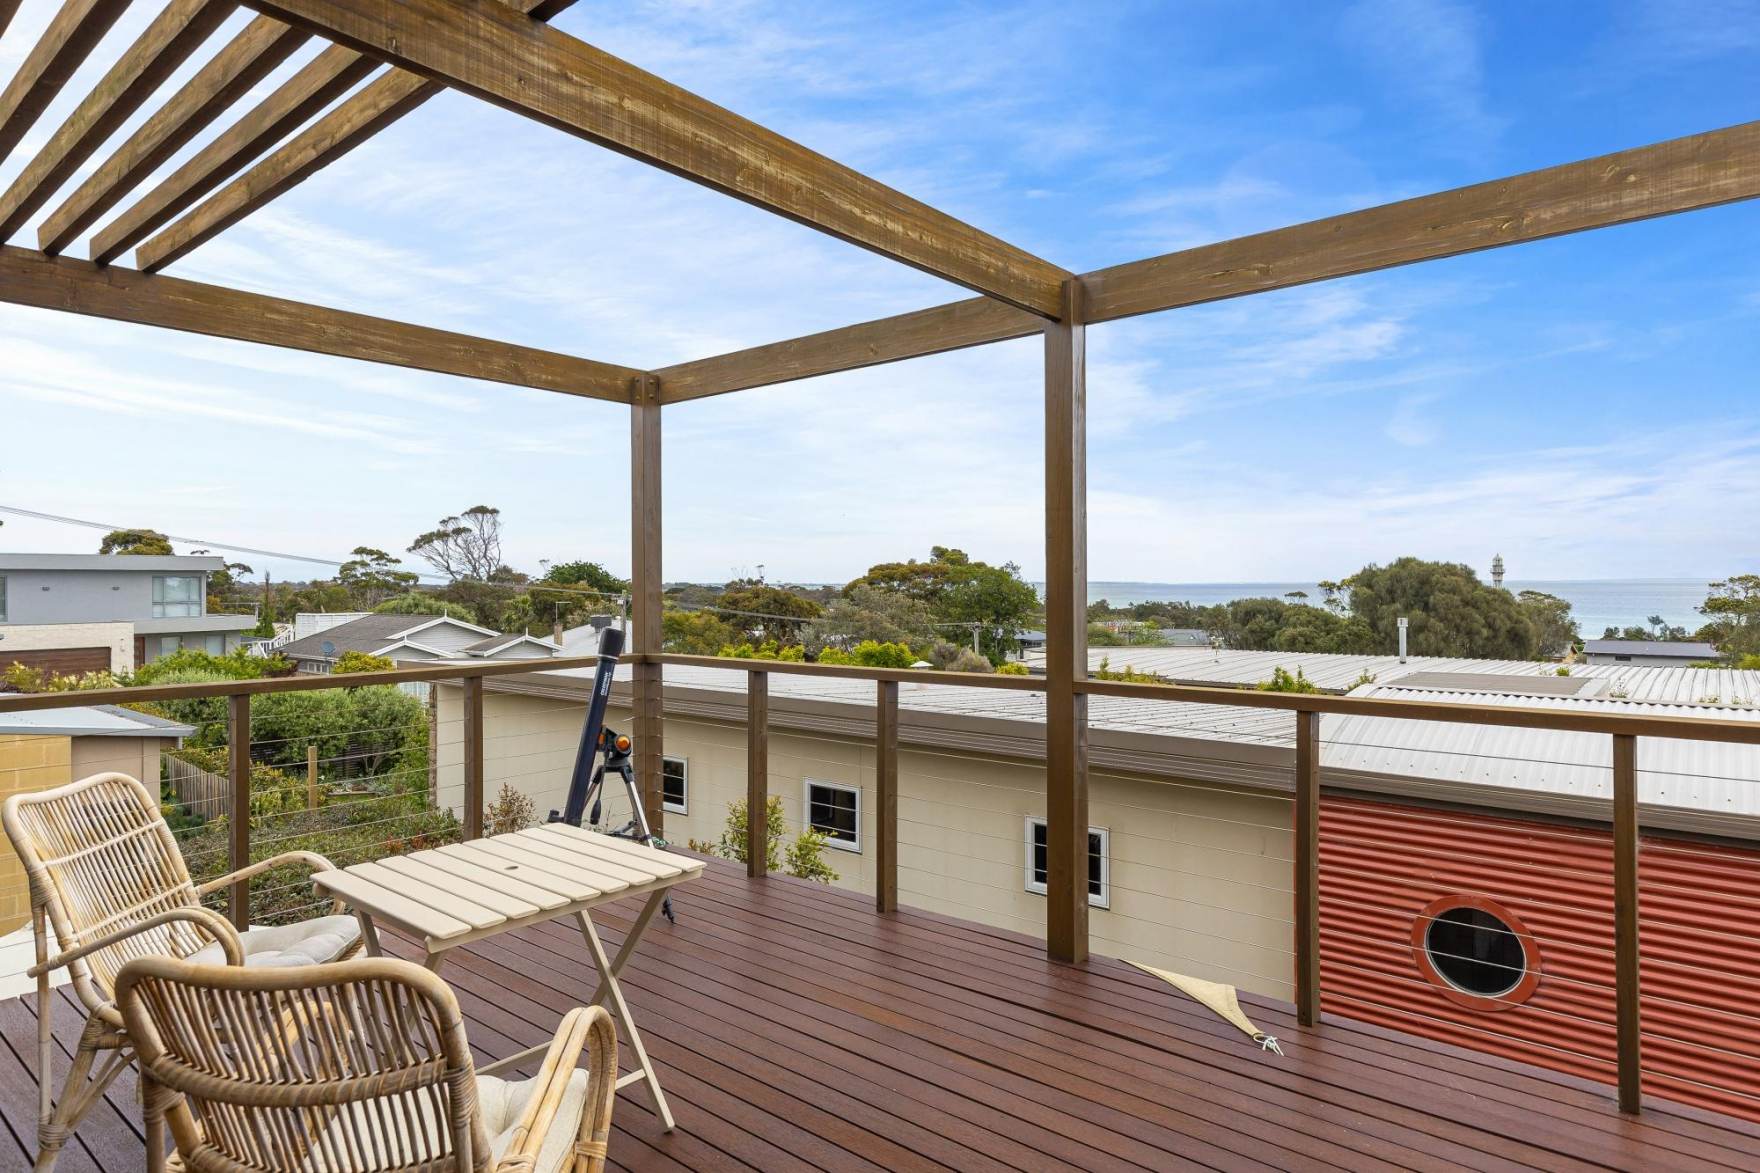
{"x": 500, "y": 1101}
{"x": 306, "y": 942}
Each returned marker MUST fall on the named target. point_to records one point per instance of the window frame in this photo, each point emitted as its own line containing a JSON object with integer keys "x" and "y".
{"x": 831, "y": 840}
{"x": 683, "y": 806}
{"x": 161, "y": 604}
{"x": 1101, "y": 899}
{"x": 1532, "y": 959}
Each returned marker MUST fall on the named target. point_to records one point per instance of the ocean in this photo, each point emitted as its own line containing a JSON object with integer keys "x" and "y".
{"x": 1597, "y": 604}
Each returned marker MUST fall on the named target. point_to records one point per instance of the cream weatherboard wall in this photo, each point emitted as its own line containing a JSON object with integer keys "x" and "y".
{"x": 1198, "y": 873}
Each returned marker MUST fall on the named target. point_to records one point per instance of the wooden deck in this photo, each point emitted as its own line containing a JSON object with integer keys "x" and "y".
{"x": 797, "y": 1030}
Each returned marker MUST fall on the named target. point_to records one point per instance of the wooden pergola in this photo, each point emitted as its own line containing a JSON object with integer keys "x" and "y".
{"x": 504, "y": 52}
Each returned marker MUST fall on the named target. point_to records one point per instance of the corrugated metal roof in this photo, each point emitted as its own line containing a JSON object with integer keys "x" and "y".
{"x": 1685, "y": 649}
{"x": 1697, "y": 775}
{"x": 90, "y": 721}
{"x": 1326, "y": 669}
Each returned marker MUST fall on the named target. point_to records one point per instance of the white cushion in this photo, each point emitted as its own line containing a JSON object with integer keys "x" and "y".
{"x": 306, "y": 942}
{"x": 500, "y": 1102}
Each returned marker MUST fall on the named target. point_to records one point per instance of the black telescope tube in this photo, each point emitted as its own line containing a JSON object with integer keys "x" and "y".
{"x": 610, "y": 647}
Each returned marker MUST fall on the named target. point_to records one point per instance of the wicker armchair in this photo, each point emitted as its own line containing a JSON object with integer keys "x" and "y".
{"x": 353, "y": 1067}
{"x": 106, "y": 873}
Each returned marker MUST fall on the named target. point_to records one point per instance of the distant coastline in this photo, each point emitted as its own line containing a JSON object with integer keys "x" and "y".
{"x": 1596, "y": 603}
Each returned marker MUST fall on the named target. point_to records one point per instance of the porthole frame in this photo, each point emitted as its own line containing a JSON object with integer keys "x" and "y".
{"x": 1531, "y": 961}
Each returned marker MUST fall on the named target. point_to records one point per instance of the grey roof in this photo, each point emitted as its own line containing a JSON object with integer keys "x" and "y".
{"x": 1684, "y": 649}
{"x": 495, "y": 643}
{"x": 90, "y": 721}
{"x": 366, "y": 634}
{"x": 141, "y": 562}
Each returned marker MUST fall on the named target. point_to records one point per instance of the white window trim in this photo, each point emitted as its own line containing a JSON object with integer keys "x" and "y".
{"x": 807, "y": 785}
{"x": 680, "y": 808}
{"x": 1104, "y": 899}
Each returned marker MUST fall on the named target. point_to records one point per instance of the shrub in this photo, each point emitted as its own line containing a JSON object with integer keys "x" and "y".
{"x": 1127, "y": 675}
{"x": 803, "y": 856}
{"x": 1012, "y": 668}
{"x": 350, "y": 662}
{"x": 1282, "y": 681}
{"x": 512, "y": 810}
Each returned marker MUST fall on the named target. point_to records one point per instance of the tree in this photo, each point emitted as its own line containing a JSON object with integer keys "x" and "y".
{"x": 1555, "y": 632}
{"x": 371, "y": 577}
{"x": 466, "y": 547}
{"x": 569, "y": 594}
{"x": 135, "y": 541}
{"x": 417, "y": 603}
{"x": 1315, "y": 629}
{"x": 868, "y": 613}
{"x": 920, "y": 580}
{"x": 996, "y": 598}
{"x": 1733, "y": 607}
{"x": 694, "y": 633}
{"x": 1452, "y": 613}
{"x": 749, "y": 604}
{"x": 224, "y": 587}
{"x": 1253, "y": 624}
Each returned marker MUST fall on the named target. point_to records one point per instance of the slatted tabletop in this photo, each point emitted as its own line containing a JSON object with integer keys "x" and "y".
{"x": 447, "y": 896}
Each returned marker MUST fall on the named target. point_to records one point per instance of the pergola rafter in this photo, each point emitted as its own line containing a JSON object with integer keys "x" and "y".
{"x": 246, "y": 60}
{"x": 495, "y": 51}
{"x": 384, "y": 101}
{"x": 504, "y": 57}
{"x": 178, "y": 30}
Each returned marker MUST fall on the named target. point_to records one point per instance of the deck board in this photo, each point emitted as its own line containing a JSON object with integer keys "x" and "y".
{"x": 794, "y": 1029}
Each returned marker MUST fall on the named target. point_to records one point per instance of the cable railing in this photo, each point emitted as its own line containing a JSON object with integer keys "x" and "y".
{"x": 1197, "y": 876}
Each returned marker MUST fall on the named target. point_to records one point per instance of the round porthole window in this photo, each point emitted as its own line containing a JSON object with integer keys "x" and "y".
{"x": 1477, "y": 952}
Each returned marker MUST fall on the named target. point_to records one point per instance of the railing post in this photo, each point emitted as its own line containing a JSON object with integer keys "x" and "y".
{"x": 238, "y": 745}
{"x": 757, "y": 773}
{"x": 886, "y": 797}
{"x": 1627, "y": 987}
{"x": 311, "y": 777}
{"x": 1307, "y": 866}
{"x": 473, "y": 757}
{"x": 1066, "y": 631}
{"x": 646, "y": 698}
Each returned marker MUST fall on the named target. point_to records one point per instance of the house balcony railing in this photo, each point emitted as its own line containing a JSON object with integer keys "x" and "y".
{"x": 456, "y": 809}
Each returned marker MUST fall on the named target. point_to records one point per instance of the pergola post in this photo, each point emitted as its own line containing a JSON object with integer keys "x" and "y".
{"x": 645, "y": 591}
{"x": 1066, "y": 631}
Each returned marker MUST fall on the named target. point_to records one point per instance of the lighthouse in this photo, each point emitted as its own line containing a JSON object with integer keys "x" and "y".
{"x": 1497, "y": 571}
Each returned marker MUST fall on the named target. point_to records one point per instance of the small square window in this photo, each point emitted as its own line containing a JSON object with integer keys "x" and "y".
{"x": 215, "y": 645}
{"x": 177, "y": 596}
{"x": 1099, "y": 862}
{"x": 675, "y": 785}
{"x": 836, "y": 812}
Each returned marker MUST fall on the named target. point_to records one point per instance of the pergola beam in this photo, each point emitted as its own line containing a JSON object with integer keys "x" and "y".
{"x": 32, "y": 278}
{"x": 246, "y": 60}
{"x": 1680, "y": 175}
{"x": 1683, "y": 174}
{"x": 380, "y": 104}
{"x": 163, "y": 45}
{"x": 65, "y": 44}
{"x": 489, "y": 50}
{"x": 321, "y": 81}
{"x": 972, "y": 322}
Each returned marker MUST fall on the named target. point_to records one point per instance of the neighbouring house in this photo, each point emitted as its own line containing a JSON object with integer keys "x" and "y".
{"x": 584, "y": 640}
{"x": 413, "y": 638}
{"x": 1647, "y": 651}
{"x": 1442, "y": 844}
{"x": 63, "y": 612}
{"x": 53, "y": 747}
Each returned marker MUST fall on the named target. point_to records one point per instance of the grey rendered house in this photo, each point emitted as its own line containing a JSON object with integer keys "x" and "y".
{"x": 70, "y": 613}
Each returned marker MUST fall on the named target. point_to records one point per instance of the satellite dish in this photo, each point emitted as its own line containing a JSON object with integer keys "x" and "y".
{"x": 328, "y": 648}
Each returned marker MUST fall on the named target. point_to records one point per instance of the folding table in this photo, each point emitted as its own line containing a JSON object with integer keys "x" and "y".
{"x": 450, "y": 896}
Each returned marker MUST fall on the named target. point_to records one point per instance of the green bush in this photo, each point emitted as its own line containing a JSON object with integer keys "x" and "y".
{"x": 802, "y": 856}
{"x": 1282, "y": 681}
{"x": 1012, "y": 668}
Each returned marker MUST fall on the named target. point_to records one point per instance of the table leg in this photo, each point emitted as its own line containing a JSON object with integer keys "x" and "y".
{"x": 608, "y": 986}
{"x": 369, "y": 933}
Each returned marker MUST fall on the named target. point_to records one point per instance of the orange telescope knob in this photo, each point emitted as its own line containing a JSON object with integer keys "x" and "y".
{"x": 623, "y": 743}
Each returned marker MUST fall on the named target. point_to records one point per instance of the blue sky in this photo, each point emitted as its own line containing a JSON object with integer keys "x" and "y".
{"x": 1585, "y": 406}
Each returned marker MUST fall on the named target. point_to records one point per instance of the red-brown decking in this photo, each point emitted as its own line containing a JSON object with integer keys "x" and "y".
{"x": 796, "y": 1030}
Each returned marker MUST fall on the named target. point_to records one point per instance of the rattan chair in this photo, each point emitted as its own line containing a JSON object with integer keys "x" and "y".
{"x": 353, "y": 1067}
{"x": 106, "y": 873}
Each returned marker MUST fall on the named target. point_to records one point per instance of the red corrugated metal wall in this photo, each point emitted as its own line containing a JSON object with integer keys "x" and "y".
{"x": 1382, "y": 863}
